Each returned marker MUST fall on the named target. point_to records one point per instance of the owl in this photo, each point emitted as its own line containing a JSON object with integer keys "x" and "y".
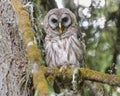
{"x": 64, "y": 45}
{"x": 63, "y": 42}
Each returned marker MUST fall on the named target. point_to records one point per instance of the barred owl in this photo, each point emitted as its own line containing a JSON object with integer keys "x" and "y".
{"x": 63, "y": 41}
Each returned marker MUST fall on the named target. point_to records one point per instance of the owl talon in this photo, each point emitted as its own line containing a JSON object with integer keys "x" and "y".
{"x": 63, "y": 67}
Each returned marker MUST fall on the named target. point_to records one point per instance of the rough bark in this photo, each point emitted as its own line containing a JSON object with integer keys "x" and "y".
{"x": 12, "y": 58}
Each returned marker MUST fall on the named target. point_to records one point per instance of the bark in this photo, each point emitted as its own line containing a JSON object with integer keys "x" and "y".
{"x": 12, "y": 53}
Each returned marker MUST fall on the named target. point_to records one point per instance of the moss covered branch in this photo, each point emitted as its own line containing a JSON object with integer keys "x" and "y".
{"x": 91, "y": 75}
{"x": 32, "y": 52}
{"x": 84, "y": 74}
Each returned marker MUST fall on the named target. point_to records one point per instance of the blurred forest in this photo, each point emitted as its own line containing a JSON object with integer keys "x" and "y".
{"x": 99, "y": 21}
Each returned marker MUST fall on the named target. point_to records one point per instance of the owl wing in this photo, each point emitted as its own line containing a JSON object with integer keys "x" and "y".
{"x": 79, "y": 34}
{"x": 83, "y": 47}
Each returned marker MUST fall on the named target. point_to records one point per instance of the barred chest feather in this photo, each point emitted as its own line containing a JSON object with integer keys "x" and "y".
{"x": 68, "y": 50}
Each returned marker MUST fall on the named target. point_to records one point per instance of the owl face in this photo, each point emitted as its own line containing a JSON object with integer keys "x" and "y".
{"x": 58, "y": 21}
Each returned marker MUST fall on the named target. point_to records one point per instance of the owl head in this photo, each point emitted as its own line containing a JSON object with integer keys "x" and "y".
{"x": 59, "y": 21}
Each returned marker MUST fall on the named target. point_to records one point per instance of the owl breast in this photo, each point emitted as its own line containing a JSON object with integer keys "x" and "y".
{"x": 64, "y": 51}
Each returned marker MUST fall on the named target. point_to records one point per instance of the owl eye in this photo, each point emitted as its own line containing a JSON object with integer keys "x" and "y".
{"x": 65, "y": 19}
{"x": 54, "y": 21}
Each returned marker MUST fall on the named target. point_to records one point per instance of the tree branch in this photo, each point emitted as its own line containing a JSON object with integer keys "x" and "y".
{"x": 32, "y": 52}
{"x": 84, "y": 74}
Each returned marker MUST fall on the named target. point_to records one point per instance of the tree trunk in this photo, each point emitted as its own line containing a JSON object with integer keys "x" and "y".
{"x": 12, "y": 53}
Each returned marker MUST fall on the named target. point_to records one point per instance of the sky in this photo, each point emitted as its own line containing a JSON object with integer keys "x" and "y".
{"x": 85, "y": 3}
{"x": 59, "y": 3}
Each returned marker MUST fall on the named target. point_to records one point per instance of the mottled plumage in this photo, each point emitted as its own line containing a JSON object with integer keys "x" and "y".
{"x": 65, "y": 45}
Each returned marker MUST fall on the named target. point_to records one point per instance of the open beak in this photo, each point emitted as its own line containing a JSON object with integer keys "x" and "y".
{"x": 60, "y": 28}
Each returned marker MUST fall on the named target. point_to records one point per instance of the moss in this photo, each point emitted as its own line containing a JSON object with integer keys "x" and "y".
{"x": 28, "y": 37}
{"x": 100, "y": 77}
{"x": 40, "y": 83}
{"x": 33, "y": 53}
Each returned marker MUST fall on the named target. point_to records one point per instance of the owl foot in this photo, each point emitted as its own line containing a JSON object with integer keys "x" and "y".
{"x": 64, "y": 67}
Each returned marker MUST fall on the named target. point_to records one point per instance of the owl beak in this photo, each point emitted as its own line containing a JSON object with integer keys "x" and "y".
{"x": 60, "y": 28}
